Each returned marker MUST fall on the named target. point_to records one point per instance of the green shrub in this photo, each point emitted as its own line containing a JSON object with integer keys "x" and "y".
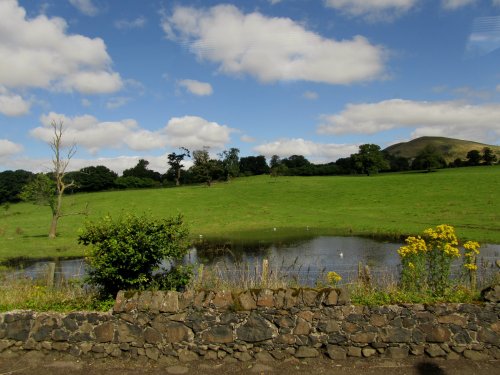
{"x": 127, "y": 253}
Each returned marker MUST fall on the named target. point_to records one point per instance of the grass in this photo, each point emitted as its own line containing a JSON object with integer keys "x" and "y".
{"x": 26, "y": 294}
{"x": 385, "y": 206}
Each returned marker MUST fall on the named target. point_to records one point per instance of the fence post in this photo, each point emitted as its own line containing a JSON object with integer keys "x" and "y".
{"x": 51, "y": 270}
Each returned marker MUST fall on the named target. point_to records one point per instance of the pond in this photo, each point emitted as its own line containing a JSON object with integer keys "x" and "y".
{"x": 307, "y": 259}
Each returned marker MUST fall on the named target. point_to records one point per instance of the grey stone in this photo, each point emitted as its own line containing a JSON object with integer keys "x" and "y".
{"x": 306, "y": 352}
{"x": 264, "y": 357}
{"x": 491, "y": 294}
{"x": 336, "y": 352}
{"x": 218, "y": 334}
{"x": 475, "y": 355}
{"x": 368, "y": 352}
{"x": 259, "y": 368}
{"x": 243, "y": 356}
{"x": 256, "y": 329}
{"x": 187, "y": 355}
{"x": 152, "y": 353}
{"x": 396, "y": 352}
{"x": 104, "y": 332}
{"x": 434, "y": 350}
{"x": 354, "y": 351}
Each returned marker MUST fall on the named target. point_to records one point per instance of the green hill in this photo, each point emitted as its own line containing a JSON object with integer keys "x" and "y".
{"x": 249, "y": 208}
{"x": 450, "y": 148}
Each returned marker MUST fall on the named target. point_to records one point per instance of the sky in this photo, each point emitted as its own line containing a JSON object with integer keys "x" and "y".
{"x": 132, "y": 79}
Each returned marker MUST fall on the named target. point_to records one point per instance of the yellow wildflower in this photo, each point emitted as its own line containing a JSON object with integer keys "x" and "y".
{"x": 333, "y": 277}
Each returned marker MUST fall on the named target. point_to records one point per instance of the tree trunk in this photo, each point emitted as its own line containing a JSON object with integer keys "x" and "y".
{"x": 53, "y": 226}
{"x": 178, "y": 177}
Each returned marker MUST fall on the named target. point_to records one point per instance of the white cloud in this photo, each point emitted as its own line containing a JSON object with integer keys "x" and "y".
{"x": 39, "y": 53}
{"x": 86, "y": 103}
{"x": 247, "y": 139}
{"x": 94, "y": 135}
{"x": 272, "y": 49}
{"x": 85, "y": 6}
{"x": 135, "y": 23}
{"x": 452, "y": 119}
{"x": 373, "y": 10}
{"x": 456, "y": 4}
{"x": 8, "y": 148}
{"x": 274, "y": 2}
{"x": 12, "y": 104}
{"x": 309, "y": 149}
{"x": 498, "y": 86}
{"x": 496, "y": 3}
{"x": 195, "y": 132}
{"x": 117, "y": 102}
{"x": 196, "y": 87}
{"x": 310, "y": 95}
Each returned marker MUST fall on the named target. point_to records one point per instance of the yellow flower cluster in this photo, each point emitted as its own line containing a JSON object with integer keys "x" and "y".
{"x": 443, "y": 232}
{"x": 470, "y": 266}
{"x": 414, "y": 246}
{"x": 333, "y": 277}
{"x": 471, "y": 250}
{"x": 471, "y": 247}
{"x": 451, "y": 251}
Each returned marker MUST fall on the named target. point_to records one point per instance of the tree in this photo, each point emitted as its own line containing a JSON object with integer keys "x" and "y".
{"x": 175, "y": 162}
{"x": 488, "y": 157}
{"x": 141, "y": 171}
{"x": 92, "y": 178}
{"x": 277, "y": 166}
{"x": 473, "y": 157}
{"x": 11, "y": 184}
{"x": 230, "y": 163}
{"x": 370, "y": 159}
{"x": 253, "y": 165}
{"x": 428, "y": 158}
{"x": 50, "y": 190}
{"x": 204, "y": 168}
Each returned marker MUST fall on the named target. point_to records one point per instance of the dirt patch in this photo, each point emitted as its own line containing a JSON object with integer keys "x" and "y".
{"x": 36, "y": 363}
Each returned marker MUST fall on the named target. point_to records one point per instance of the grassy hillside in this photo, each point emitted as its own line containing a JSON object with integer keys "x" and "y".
{"x": 387, "y": 204}
{"x": 449, "y": 148}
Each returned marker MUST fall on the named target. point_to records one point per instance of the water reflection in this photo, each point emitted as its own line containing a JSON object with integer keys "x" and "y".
{"x": 311, "y": 256}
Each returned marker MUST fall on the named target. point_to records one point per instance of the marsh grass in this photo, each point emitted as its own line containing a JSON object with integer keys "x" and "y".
{"x": 241, "y": 276}
{"x": 23, "y": 293}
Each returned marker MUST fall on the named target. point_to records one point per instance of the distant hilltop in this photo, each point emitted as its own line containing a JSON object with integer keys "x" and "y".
{"x": 449, "y": 148}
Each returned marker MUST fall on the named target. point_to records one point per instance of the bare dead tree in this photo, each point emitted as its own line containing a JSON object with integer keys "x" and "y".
{"x": 60, "y": 161}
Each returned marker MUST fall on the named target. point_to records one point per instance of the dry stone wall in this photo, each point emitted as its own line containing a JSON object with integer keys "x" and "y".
{"x": 261, "y": 324}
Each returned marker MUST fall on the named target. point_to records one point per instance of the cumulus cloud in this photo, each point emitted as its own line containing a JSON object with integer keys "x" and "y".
{"x": 8, "y": 148}
{"x": 373, "y": 10}
{"x": 39, "y": 53}
{"x": 271, "y": 48}
{"x": 85, "y": 6}
{"x": 452, "y": 119}
{"x": 298, "y": 146}
{"x": 135, "y": 23}
{"x": 94, "y": 135}
{"x": 310, "y": 95}
{"x": 456, "y": 4}
{"x": 196, "y": 87}
{"x": 12, "y": 104}
{"x": 195, "y": 132}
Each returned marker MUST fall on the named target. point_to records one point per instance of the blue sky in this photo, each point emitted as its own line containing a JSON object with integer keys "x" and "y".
{"x": 137, "y": 79}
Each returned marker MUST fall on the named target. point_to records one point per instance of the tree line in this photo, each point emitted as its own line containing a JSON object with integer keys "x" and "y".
{"x": 369, "y": 160}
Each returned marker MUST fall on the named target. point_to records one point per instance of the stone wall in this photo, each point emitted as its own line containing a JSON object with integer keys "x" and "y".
{"x": 261, "y": 324}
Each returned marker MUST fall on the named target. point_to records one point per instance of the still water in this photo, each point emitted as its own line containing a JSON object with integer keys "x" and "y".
{"x": 306, "y": 258}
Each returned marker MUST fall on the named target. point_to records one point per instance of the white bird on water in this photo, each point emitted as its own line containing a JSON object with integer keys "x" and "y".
{"x": 341, "y": 254}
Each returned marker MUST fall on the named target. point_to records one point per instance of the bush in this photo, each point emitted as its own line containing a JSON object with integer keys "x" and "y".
{"x": 127, "y": 253}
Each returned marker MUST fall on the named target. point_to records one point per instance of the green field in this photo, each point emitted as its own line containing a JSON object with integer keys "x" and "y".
{"x": 386, "y": 205}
